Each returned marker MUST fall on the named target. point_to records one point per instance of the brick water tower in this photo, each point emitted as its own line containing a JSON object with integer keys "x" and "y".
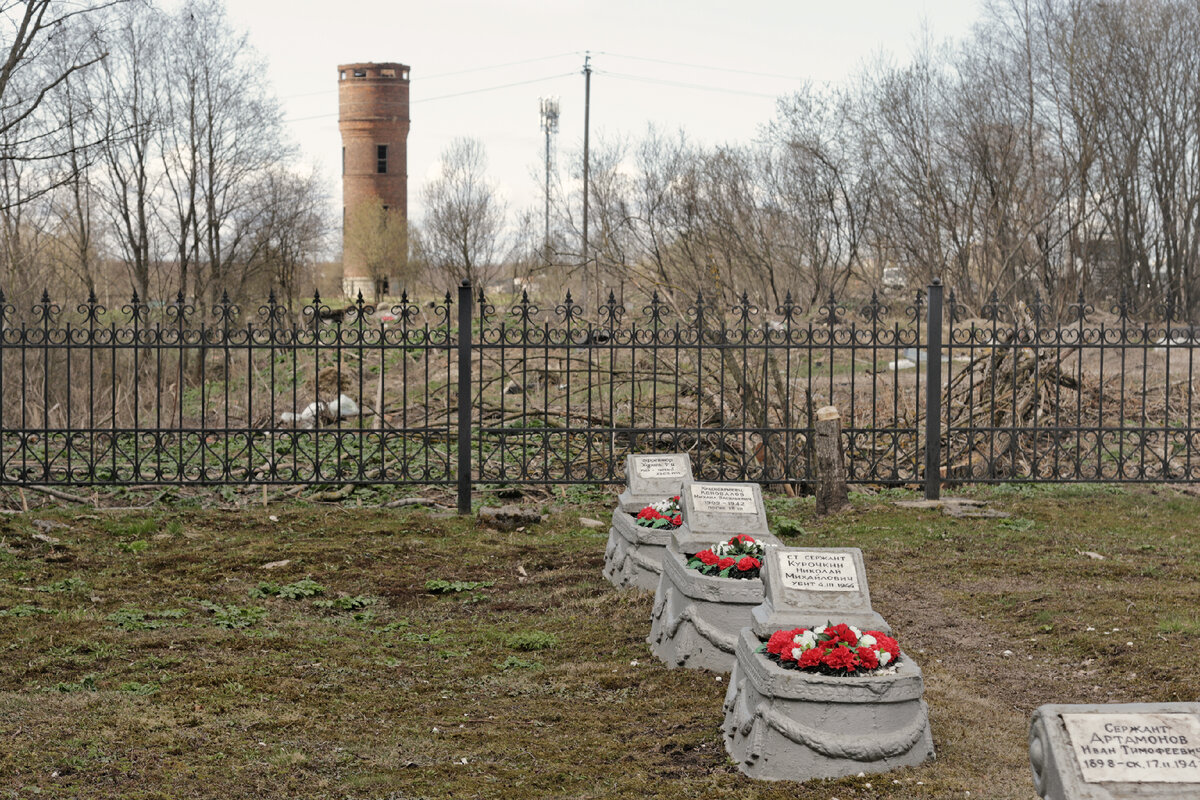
{"x": 373, "y": 120}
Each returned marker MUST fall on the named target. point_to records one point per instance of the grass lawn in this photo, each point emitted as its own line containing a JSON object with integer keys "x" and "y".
{"x": 329, "y": 652}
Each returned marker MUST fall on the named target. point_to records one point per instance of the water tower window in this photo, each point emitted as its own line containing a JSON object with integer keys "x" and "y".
{"x": 360, "y": 73}
{"x": 342, "y": 75}
{"x": 381, "y": 158}
{"x": 388, "y": 73}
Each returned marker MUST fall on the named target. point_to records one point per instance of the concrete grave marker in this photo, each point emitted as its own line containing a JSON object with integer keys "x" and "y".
{"x": 714, "y": 512}
{"x": 1117, "y": 751}
{"x": 633, "y": 557}
{"x": 651, "y": 478}
{"x": 809, "y": 586}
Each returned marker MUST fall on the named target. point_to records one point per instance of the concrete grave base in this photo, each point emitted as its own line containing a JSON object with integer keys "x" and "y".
{"x": 634, "y": 556}
{"x": 783, "y": 724}
{"x": 696, "y": 618}
{"x": 1160, "y": 765}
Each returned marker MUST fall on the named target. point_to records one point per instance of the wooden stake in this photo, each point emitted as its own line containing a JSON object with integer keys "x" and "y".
{"x": 832, "y": 495}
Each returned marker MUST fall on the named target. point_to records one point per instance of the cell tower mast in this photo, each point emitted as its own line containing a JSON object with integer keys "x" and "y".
{"x": 549, "y": 115}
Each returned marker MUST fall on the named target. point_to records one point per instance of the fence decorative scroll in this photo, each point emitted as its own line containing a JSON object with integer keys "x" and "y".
{"x": 556, "y": 393}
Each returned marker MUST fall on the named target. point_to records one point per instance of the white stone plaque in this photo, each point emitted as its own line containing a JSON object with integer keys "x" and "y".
{"x": 818, "y": 571}
{"x": 717, "y": 498}
{"x": 1136, "y": 748}
{"x": 655, "y": 467}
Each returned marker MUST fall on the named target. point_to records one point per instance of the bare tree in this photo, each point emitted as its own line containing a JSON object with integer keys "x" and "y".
{"x": 132, "y": 114}
{"x": 222, "y": 132}
{"x": 461, "y": 235}
{"x": 47, "y": 45}
{"x": 44, "y": 51}
{"x": 378, "y": 237}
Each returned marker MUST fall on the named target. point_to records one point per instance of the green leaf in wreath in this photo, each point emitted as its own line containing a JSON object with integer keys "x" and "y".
{"x": 724, "y": 573}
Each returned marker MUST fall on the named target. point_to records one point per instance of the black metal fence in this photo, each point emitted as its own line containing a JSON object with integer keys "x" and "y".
{"x": 929, "y": 393}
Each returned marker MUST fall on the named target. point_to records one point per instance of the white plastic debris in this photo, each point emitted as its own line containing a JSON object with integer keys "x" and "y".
{"x": 341, "y": 408}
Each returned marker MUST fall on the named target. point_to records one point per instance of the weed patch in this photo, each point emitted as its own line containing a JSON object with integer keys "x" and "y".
{"x": 24, "y": 610}
{"x": 70, "y": 585}
{"x": 438, "y": 586}
{"x": 530, "y": 640}
{"x": 346, "y": 603}
{"x": 85, "y": 684}
{"x": 291, "y": 591}
{"x": 1180, "y": 622}
{"x": 135, "y": 619}
{"x": 231, "y": 616}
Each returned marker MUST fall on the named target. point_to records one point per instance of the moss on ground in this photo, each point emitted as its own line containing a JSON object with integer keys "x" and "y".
{"x": 166, "y": 669}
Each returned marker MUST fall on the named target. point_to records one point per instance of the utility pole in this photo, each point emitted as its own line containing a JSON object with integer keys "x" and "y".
{"x": 587, "y": 108}
{"x": 549, "y": 113}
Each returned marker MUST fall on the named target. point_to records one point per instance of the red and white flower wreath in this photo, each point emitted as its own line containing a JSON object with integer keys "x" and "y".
{"x": 663, "y": 514}
{"x": 833, "y": 650}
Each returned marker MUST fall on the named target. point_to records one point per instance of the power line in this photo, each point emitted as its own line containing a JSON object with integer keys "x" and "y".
{"x": 681, "y": 84}
{"x": 499, "y": 66}
{"x": 454, "y": 94}
{"x": 709, "y": 67}
{"x": 494, "y": 88}
{"x": 618, "y": 75}
{"x": 424, "y": 78}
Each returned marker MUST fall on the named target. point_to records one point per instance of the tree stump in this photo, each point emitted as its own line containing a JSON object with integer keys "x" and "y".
{"x": 832, "y": 494}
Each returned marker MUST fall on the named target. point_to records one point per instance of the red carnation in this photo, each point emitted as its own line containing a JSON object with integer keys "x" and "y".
{"x": 677, "y": 519}
{"x": 748, "y": 563}
{"x": 780, "y": 639}
{"x": 840, "y": 658}
{"x": 809, "y": 658}
{"x": 841, "y": 633}
{"x": 725, "y": 563}
{"x": 884, "y": 642}
{"x": 744, "y": 539}
{"x": 707, "y": 557}
{"x": 868, "y": 658}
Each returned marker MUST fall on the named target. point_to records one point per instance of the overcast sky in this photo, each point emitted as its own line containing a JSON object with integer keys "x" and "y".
{"x": 712, "y": 68}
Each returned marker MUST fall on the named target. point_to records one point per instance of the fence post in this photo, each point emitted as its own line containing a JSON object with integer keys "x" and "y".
{"x": 464, "y": 397}
{"x": 933, "y": 394}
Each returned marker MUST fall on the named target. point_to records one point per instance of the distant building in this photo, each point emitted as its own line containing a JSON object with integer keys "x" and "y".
{"x": 373, "y": 120}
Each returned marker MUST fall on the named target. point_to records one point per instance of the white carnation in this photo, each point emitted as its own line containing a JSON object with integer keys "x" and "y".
{"x": 796, "y": 652}
{"x": 867, "y": 640}
{"x": 806, "y": 640}
{"x": 884, "y": 658}
{"x": 857, "y": 633}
